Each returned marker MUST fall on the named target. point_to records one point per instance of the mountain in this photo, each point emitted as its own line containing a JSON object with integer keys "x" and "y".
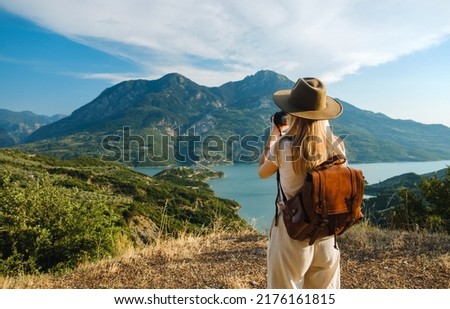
{"x": 170, "y": 101}
{"x": 408, "y": 180}
{"x": 374, "y": 137}
{"x": 6, "y": 140}
{"x": 16, "y": 126}
{"x": 173, "y": 119}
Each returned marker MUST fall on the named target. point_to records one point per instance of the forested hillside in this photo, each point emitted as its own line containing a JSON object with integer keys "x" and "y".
{"x": 56, "y": 213}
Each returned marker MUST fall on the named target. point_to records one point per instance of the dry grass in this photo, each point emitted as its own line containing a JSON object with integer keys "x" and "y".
{"x": 371, "y": 259}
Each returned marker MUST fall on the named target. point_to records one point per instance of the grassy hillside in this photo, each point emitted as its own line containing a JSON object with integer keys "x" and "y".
{"x": 370, "y": 259}
{"x": 55, "y": 213}
{"x": 87, "y": 223}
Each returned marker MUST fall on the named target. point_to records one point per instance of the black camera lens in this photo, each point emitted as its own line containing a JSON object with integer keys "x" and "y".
{"x": 280, "y": 118}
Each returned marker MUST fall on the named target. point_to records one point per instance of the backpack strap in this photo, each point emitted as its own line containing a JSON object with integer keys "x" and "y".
{"x": 278, "y": 197}
{"x": 357, "y": 185}
{"x": 323, "y": 224}
{"x": 334, "y": 160}
{"x": 279, "y": 188}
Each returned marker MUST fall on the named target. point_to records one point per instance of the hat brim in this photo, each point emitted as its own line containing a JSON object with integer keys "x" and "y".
{"x": 332, "y": 110}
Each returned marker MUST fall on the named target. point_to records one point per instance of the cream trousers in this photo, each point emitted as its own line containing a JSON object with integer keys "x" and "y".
{"x": 294, "y": 264}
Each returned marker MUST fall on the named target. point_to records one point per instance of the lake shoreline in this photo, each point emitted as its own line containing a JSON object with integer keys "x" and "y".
{"x": 256, "y": 196}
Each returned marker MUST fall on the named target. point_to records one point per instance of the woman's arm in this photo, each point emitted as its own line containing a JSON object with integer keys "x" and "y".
{"x": 267, "y": 161}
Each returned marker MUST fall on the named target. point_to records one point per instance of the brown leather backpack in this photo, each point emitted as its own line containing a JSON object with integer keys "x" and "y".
{"x": 329, "y": 203}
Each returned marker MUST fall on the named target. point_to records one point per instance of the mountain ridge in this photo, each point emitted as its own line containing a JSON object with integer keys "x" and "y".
{"x": 16, "y": 126}
{"x": 173, "y": 104}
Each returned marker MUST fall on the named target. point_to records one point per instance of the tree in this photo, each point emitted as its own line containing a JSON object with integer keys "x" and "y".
{"x": 427, "y": 207}
{"x": 437, "y": 194}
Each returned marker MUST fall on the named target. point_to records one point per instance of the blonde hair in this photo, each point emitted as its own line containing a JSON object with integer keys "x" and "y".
{"x": 313, "y": 142}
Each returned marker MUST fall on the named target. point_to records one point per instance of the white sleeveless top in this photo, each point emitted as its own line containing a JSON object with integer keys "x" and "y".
{"x": 290, "y": 181}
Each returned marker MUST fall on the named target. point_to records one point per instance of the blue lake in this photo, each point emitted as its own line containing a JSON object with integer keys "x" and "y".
{"x": 257, "y": 196}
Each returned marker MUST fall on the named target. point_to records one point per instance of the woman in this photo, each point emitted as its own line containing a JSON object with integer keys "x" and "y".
{"x": 307, "y": 143}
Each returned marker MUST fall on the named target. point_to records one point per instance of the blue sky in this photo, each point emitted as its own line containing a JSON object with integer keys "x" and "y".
{"x": 387, "y": 56}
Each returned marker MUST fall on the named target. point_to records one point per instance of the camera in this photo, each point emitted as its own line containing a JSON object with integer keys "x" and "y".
{"x": 280, "y": 118}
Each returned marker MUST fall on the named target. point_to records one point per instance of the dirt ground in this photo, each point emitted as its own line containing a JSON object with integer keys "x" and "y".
{"x": 370, "y": 259}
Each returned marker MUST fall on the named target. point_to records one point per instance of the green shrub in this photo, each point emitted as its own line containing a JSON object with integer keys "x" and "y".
{"x": 44, "y": 227}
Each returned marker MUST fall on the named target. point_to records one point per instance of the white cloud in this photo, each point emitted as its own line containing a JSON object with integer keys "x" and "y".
{"x": 213, "y": 42}
{"x": 113, "y": 78}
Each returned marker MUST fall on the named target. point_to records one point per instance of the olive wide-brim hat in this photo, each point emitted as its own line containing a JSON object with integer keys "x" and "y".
{"x": 308, "y": 99}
